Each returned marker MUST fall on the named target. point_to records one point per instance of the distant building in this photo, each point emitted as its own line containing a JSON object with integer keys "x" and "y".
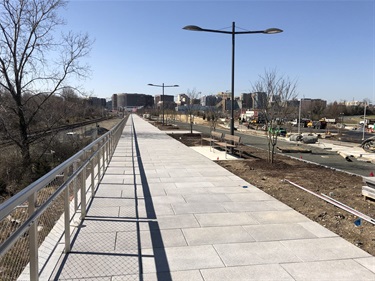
{"x": 259, "y": 100}
{"x": 182, "y": 99}
{"x": 109, "y": 105}
{"x": 311, "y": 104}
{"x": 293, "y": 103}
{"x": 127, "y": 100}
{"x": 97, "y": 102}
{"x": 114, "y": 102}
{"x": 354, "y": 103}
{"x": 168, "y": 102}
{"x": 247, "y": 101}
{"x": 210, "y": 100}
{"x": 167, "y": 98}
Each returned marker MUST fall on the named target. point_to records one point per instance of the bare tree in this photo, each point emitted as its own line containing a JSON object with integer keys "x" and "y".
{"x": 213, "y": 114}
{"x": 34, "y": 64}
{"x": 191, "y": 107}
{"x": 277, "y": 91}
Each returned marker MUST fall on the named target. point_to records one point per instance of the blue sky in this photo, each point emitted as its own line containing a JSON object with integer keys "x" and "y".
{"x": 328, "y": 46}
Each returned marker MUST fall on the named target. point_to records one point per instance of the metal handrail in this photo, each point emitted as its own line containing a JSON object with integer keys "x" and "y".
{"x": 101, "y": 151}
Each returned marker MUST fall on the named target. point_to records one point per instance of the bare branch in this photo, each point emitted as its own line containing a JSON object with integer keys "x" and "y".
{"x": 277, "y": 91}
{"x": 27, "y": 71}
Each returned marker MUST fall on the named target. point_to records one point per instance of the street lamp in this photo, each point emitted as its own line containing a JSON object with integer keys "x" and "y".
{"x": 299, "y": 117}
{"x": 233, "y": 33}
{"x": 163, "y": 86}
{"x": 364, "y": 122}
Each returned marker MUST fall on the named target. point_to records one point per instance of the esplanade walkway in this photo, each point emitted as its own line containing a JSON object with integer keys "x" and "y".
{"x": 165, "y": 212}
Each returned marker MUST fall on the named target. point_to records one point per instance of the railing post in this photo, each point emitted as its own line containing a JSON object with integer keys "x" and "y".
{"x": 92, "y": 167}
{"x": 107, "y": 149}
{"x": 83, "y": 192}
{"x": 98, "y": 159}
{"x": 67, "y": 214}
{"x": 75, "y": 191}
{"x": 111, "y": 143}
{"x": 33, "y": 240}
{"x": 102, "y": 151}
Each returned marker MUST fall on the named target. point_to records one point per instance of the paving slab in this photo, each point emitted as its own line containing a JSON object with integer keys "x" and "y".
{"x": 286, "y": 217}
{"x": 182, "y": 258}
{"x": 343, "y": 270}
{"x": 248, "y": 273}
{"x": 225, "y": 219}
{"x": 369, "y": 263}
{"x": 236, "y": 254}
{"x": 277, "y": 232}
{"x": 216, "y": 235}
{"x": 187, "y": 275}
{"x": 329, "y": 248}
{"x": 164, "y": 211}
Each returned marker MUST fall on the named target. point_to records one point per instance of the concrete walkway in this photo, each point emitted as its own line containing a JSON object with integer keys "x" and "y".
{"x": 165, "y": 212}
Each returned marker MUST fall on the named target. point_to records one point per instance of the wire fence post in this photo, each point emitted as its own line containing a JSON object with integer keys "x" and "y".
{"x": 33, "y": 239}
{"x": 83, "y": 192}
{"x": 92, "y": 170}
{"x": 102, "y": 151}
{"x": 98, "y": 156}
{"x": 75, "y": 189}
{"x": 66, "y": 214}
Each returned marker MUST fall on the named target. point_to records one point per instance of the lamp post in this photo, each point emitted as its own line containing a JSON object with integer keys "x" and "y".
{"x": 364, "y": 122}
{"x": 163, "y": 86}
{"x": 233, "y": 33}
{"x": 299, "y": 117}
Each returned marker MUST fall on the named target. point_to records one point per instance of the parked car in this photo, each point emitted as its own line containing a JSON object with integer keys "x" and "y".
{"x": 281, "y": 132}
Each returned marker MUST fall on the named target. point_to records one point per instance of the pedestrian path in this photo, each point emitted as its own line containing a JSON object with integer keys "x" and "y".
{"x": 165, "y": 212}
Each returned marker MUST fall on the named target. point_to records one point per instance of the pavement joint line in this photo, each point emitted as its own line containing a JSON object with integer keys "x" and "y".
{"x": 180, "y": 246}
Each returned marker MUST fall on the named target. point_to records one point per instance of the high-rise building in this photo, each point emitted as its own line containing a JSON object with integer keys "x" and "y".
{"x": 114, "y": 102}
{"x": 210, "y": 100}
{"x": 166, "y": 98}
{"x": 97, "y": 102}
{"x": 126, "y": 100}
{"x": 310, "y": 104}
{"x": 259, "y": 100}
{"x": 247, "y": 101}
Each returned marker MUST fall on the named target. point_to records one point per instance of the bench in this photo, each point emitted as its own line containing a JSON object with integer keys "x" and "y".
{"x": 368, "y": 191}
{"x": 215, "y": 137}
{"x": 230, "y": 142}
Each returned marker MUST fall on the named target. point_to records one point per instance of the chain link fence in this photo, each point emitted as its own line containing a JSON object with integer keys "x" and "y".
{"x": 34, "y": 220}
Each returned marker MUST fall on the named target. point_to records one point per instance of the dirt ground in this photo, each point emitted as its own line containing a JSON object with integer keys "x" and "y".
{"x": 338, "y": 185}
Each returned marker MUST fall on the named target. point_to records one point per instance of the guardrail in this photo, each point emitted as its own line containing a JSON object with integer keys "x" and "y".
{"x": 32, "y": 221}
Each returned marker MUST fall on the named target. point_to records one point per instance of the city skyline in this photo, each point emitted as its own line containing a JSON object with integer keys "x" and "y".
{"x": 328, "y": 47}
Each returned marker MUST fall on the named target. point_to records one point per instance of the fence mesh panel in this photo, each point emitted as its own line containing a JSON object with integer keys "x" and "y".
{"x": 50, "y": 224}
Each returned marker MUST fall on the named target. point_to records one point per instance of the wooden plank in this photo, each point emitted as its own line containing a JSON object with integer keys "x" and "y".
{"x": 369, "y": 181}
{"x": 368, "y": 192}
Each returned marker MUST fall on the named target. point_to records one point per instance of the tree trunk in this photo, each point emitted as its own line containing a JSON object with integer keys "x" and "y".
{"x": 269, "y": 147}
{"x": 24, "y": 140}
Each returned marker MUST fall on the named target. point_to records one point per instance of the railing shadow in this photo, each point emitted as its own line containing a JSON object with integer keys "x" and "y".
{"x": 160, "y": 256}
{"x": 131, "y": 226}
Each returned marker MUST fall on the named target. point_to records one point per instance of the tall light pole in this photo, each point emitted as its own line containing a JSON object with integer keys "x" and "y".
{"x": 299, "y": 117}
{"x": 364, "y": 122}
{"x": 163, "y": 86}
{"x": 233, "y": 33}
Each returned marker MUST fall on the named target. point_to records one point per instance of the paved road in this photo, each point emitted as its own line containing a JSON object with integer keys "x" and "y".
{"x": 318, "y": 155}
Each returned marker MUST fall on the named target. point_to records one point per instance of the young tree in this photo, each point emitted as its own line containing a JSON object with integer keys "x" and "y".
{"x": 277, "y": 90}
{"x": 191, "y": 107}
{"x": 34, "y": 64}
{"x": 212, "y": 115}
